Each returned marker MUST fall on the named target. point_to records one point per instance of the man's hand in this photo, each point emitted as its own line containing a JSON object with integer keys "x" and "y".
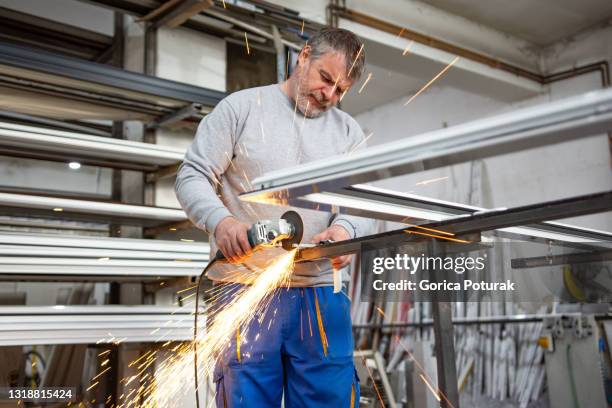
{"x": 231, "y": 238}
{"x": 335, "y": 233}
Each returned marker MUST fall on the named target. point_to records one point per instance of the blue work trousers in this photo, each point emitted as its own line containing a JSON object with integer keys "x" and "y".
{"x": 300, "y": 347}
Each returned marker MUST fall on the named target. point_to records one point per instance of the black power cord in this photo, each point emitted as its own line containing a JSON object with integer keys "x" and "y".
{"x": 195, "y": 330}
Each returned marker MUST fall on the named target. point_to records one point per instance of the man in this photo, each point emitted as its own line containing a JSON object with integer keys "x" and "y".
{"x": 305, "y": 354}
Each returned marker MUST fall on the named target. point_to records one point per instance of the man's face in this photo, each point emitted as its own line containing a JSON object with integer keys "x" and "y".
{"x": 320, "y": 82}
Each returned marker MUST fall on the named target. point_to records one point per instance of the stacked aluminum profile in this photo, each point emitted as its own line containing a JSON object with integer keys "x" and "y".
{"x": 47, "y": 256}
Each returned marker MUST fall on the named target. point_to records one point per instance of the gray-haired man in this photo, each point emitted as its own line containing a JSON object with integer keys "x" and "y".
{"x": 306, "y": 350}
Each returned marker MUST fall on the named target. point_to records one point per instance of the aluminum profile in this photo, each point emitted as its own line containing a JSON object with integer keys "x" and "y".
{"x": 62, "y": 257}
{"x": 36, "y": 325}
{"x": 79, "y": 145}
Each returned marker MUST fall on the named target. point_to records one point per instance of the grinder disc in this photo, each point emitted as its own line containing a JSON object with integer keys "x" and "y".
{"x": 294, "y": 219}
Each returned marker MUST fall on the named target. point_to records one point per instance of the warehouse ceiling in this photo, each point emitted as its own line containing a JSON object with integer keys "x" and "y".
{"x": 524, "y": 18}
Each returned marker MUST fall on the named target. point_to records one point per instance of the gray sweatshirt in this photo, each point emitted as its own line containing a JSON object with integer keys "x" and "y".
{"x": 249, "y": 133}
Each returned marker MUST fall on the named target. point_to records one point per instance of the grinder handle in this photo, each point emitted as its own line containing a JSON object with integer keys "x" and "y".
{"x": 219, "y": 255}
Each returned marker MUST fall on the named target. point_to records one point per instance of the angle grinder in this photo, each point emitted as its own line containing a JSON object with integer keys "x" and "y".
{"x": 288, "y": 231}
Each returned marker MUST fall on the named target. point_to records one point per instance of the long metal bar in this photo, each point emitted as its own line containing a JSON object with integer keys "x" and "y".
{"x": 530, "y": 214}
{"x": 380, "y": 367}
{"x": 60, "y": 252}
{"x": 239, "y": 23}
{"x": 365, "y": 200}
{"x": 57, "y": 224}
{"x": 28, "y": 120}
{"x": 459, "y": 226}
{"x": 83, "y": 271}
{"x": 32, "y": 325}
{"x": 522, "y": 129}
{"x": 442, "y": 313}
{"x": 86, "y": 161}
{"x": 50, "y": 257}
{"x": 469, "y": 321}
{"x": 24, "y": 28}
{"x": 183, "y": 113}
{"x": 106, "y": 75}
{"x": 8, "y": 262}
{"x": 76, "y": 146}
{"x": 567, "y": 259}
{"x": 52, "y": 207}
{"x": 66, "y": 98}
{"x": 369, "y": 201}
{"x": 128, "y": 244}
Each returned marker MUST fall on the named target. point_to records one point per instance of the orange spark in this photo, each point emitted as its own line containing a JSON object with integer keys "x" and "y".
{"x": 354, "y": 61}
{"x": 431, "y": 229}
{"x": 240, "y": 309}
{"x": 430, "y": 387}
{"x": 102, "y": 372}
{"x": 461, "y": 241}
{"x": 373, "y": 382}
{"x": 92, "y": 385}
{"x": 343, "y": 94}
{"x": 425, "y": 182}
{"x": 365, "y": 139}
{"x": 246, "y": 40}
{"x": 432, "y": 80}
{"x": 423, "y": 372}
{"x": 185, "y": 290}
{"x": 365, "y": 83}
{"x": 408, "y": 47}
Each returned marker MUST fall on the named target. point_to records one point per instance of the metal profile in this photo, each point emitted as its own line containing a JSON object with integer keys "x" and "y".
{"x": 462, "y": 226}
{"x": 481, "y": 320}
{"x": 70, "y": 270}
{"x": 63, "y": 257}
{"x": 53, "y": 207}
{"x": 27, "y": 140}
{"x": 554, "y": 122}
{"x": 123, "y": 244}
{"x": 115, "y": 79}
{"x": 75, "y": 253}
{"x": 376, "y": 202}
{"x": 33, "y": 325}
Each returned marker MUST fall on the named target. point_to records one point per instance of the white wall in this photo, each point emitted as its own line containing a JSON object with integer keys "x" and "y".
{"x": 195, "y": 58}
{"x": 437, "y": 108}
{"x": 311, "y": 9}
{"x": 189, "y": 56}
{"x": 589, "y": 46}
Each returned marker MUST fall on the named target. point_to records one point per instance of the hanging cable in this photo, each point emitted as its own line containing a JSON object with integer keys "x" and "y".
{"x": 195, "y": 331}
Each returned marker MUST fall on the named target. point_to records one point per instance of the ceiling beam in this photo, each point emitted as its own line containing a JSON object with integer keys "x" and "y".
{"x": 176, "y": 12}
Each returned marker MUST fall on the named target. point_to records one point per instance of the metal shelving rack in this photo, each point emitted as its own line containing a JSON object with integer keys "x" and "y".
{"x": 51, "y": 257}
{"x": 53, "y": 325}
